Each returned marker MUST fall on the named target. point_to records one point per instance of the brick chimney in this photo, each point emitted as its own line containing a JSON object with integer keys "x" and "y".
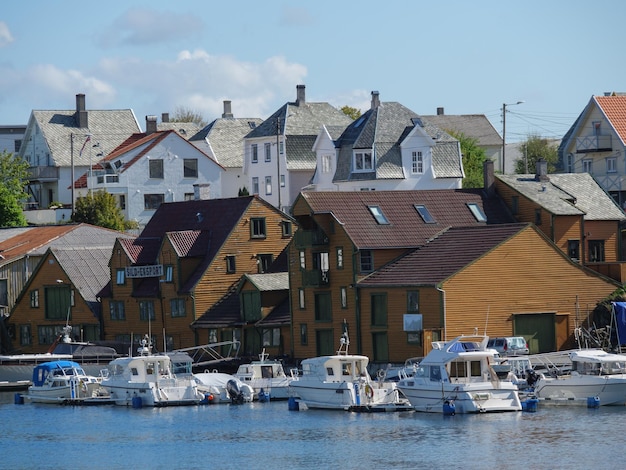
{"x": 165, "y": 117}
{"x": 375, "y": 100}
{"x": 489, "y": 179}
{"x": 81, "y": 112}
{"x": 541, "y": 172}
{"x": 151, "y": 125}
{"x": 301, "y": 95}
{"x": 228, "y": 113}
{"x": 440, "y": 111}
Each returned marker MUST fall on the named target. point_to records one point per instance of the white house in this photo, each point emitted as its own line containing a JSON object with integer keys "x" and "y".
{"x": 222, "y": 140}
{"x": 596, "y": 144}
{"x": 278, "y": 154}
{"x": 60, "y": 145}
{"x": 11, "y": 138}
{"x": 388, "y": 148}
{"x": 151, "y": 168}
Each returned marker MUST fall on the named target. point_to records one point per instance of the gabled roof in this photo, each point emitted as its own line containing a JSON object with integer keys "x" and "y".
{"x": 224, "y": 313}
{"x": 225, "y": 137}
{"x": 36, "y": 240}
{"x": 406, "y": 228}
{"x": 383, "y": 128}
{"x": 109, "y": 128}
{"x": 184, "y": 129}
{"x": 475, "y": 126}
{"x": 443, "y": 256}
{"x": 269, "y": 281}
{"x": 567, "y": 194}
{"x": 614, "y": 108}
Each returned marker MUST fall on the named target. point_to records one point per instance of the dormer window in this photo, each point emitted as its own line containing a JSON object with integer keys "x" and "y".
{"x": 363, "y": 160}
{"x": 378, "y": 215}
{"x": 423, "y": 212}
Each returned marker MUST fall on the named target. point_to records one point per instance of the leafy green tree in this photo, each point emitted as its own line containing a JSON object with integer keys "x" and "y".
{"x": 13, "y": 181}
{"x": 183, "y": 114}
{"x": 99, "y": 208}
{"x": 533, "y": 149}
{"x": 473, "y": 160}
{"x": 352, "y": 113}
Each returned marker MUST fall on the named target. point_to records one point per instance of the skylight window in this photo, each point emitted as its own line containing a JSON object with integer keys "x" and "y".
{"x": 423, "y": 212}
{"x": 477, "y": 212}
{"x": 378, "y": 215}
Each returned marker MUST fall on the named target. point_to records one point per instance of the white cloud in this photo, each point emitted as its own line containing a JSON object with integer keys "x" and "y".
{"x": 139, "y": 26}
{"x": 6, "y": 37}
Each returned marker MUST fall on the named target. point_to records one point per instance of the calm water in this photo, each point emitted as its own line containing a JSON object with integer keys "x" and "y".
{"x": 269, "y": 436}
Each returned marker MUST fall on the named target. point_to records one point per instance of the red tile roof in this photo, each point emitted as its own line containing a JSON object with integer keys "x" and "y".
{"x": 31, "y": 239}
{"x": 614, "y": 108}
{"x": 406, "y": 228}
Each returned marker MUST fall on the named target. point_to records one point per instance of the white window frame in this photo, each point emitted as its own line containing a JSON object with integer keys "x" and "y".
{"x": 611, "y": 165}
{"x": 268, "y": 185}
{"x": 363, "y": 161}
{"x": 326, "y": 163}
{"x": 268, "y": 152}
{"x": 255, "y": 153}
{"x": 588, "y": 166}
{"x": 417, "y": 162}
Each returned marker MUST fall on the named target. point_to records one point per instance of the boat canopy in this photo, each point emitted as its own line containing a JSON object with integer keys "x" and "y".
{"x": 41, "y": 371}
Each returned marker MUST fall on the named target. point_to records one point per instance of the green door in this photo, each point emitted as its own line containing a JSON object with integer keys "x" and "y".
{"x": 539, "y": 330}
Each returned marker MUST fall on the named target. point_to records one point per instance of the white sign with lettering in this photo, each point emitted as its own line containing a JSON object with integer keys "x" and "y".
{"x": 144, "y": 271}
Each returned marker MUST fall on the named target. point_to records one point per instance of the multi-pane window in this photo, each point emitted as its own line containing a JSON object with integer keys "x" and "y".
{"x": 271, "y": 336}
{"x": 178, "y": 307}
{"x": 326, "y": 163}
{"x": 25, "y": 335}
{"x": 339, "y": 251}
{"x": 412, "y": 301}
{"x": 120, "y": 276}
{"x": 255, "y": 153}
{"x": 268, "y": 185}
{"x": 417, "y": 163}
{"x": 156, "y": 168}
{"x": 116, "y": 310}
{"x": 152, "y": 201}
{"x": 257, "y": 227}
{"x": 231, "y": 266}
{"x": 611, "y": 165}
{"x": 264, "y": 261}
{"x": 190, "y": 168}
{"x": 363, "y": 161}
{"x": 588, "y": 166}
{"x": 302, "y": 259}
{"x": 169, "y": 273}
{"x": 255, "y": 185}
{"x": 48, "y": 334}
{"x": 596, "y": 251}
{"x": 285, "y": 226}
{"x": 367, "y": 261}
{"x": 268, "y": 152}
{"x": 570, "y": 163}
{"x": 34, "y": 298}
{"x": 146, "y": 310}
{"x": 573, "y": 249}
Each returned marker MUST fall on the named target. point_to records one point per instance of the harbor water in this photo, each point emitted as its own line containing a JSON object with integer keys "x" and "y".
{"x": 270, "y": 436}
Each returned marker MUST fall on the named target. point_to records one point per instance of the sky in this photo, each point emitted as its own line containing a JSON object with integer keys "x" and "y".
{"x": 161, "y": 56}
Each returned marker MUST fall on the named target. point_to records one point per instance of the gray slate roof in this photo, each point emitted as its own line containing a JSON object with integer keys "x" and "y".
{"x": 383, "y": 129}
{"x": 86, "y": 236}
{"x": 225, "y": 136}
{"x": 185, "y": 129}
{"x": 475, "y": 126}
{"x": 269, "y": 281}
{"x": 108, "y": 127}
{"x": 567, "y": 194}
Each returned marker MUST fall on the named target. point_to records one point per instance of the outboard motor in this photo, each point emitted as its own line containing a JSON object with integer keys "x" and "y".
{"x": 234, "y": 392}
{"x": 531, "y": 377}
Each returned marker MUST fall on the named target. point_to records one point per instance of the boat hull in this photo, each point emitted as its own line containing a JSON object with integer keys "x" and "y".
{"x": 152, "y": 394}
{"x": 575, "y": 390}
{"x": 347, "y": 396}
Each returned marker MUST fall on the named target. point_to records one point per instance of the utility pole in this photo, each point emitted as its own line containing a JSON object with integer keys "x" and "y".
{"x": 278, "y": 160}
{"x": 504, "y": 105}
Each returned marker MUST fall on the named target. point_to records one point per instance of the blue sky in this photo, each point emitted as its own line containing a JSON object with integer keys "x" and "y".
{"x": 468, "y": 57}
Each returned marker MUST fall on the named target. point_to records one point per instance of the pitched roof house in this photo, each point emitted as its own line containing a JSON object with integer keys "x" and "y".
{"x": 572, "y": 210}
{"x": 187, "y": 258}
{"x": 279, "y": 159}
{"x": 57, "y": 273}
{"x": 596, "y": 144}
{"x": 389, "y": 147}
{"x": 222, "y": 140}
{"x": 151, "y": 168}
{"x": 62, "y": 144}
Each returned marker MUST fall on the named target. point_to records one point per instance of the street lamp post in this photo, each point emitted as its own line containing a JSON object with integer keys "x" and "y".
{"x": 504, "y": 105}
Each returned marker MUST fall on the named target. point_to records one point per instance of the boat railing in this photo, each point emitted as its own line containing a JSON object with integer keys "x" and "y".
{"x": 554, "y": 363}
{"x": 209, "y": 354}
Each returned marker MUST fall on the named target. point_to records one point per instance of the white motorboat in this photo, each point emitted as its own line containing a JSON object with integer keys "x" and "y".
{"x": 223, "y": 388}
{"x": 63, "y": 382}
{"x": 149, "y": 380}
{"x": 456, "y": 377}
{"x": 342, "y": 382}
{"x": 595, "y": 375}
{"x": 265, "y": 377}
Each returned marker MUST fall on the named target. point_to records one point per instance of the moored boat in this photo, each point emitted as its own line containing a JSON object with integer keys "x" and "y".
{"x": 596, "y": 377}
{"x": 342, "y": 382}
{"x": 457, "y": 377}
{"x": 63, "y": 382}
{"x": 223, "y": 388}
{"x": 265, "y": 376}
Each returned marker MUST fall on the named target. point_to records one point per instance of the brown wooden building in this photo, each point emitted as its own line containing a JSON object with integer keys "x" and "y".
{"x": 187, "y": 258}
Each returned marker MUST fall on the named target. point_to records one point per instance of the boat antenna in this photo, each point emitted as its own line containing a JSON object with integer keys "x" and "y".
{"x": 486, "y": 321}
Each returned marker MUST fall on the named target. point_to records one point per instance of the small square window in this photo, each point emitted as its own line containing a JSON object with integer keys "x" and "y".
{"x": 424, "y": 213}
{"x": 257, "y": 227}
{"x": 190, "y": 168}
{"x": 156, "y": 169}
{"x": 378, "y": 215}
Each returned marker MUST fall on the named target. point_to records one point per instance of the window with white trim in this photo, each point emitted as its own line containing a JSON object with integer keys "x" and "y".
{"x": 588, "y": 166}
{"x": 363, "y": 161}
{"x": 268, "y": 152}
{"x": 326, "y": 163}
{"x": 255, "y": 153}
{"x": 611, "y": 165}
{"x": 417, "y": 163}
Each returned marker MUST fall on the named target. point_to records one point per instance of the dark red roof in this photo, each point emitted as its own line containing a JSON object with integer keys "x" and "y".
{"x": 442, "y": 257}
{"x": 406, "y": 228}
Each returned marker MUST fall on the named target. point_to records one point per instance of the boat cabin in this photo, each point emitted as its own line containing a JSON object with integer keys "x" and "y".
{"x": 336, "y": 368}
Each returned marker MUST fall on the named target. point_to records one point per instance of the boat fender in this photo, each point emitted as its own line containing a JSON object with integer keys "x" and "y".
{"x": 369, "y": 391}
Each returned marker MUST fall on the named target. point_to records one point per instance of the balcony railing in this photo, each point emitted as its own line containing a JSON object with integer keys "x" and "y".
{"x": 40, "y": 173}
{"x": 315, "y": 278}
{"x": 304, "y": 238}
{"x": 594, "y": 143}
